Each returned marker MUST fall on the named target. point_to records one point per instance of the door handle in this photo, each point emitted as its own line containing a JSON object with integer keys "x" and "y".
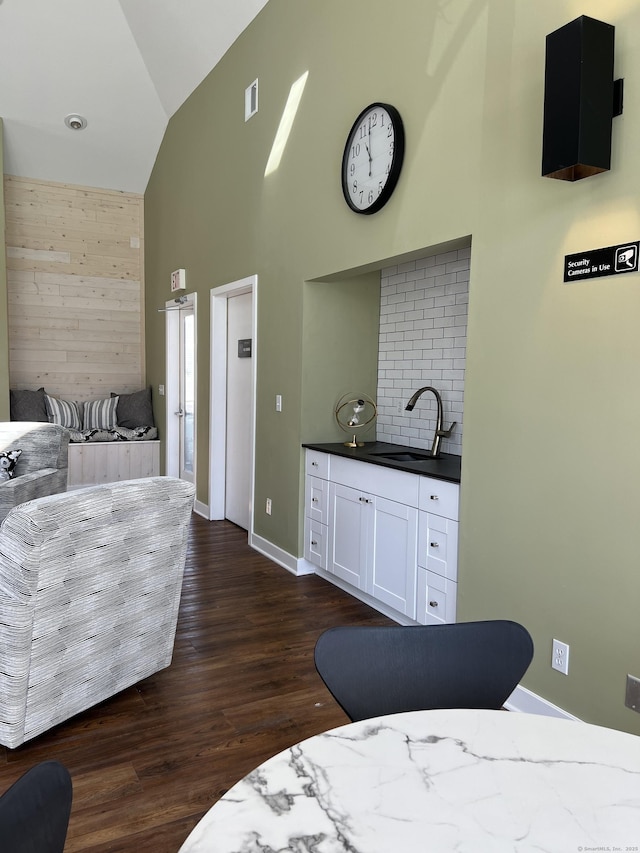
{"x": 179, "y": 413}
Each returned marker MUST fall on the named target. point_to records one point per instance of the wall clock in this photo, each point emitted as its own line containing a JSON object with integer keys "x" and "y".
{"x": 372, "y": 158}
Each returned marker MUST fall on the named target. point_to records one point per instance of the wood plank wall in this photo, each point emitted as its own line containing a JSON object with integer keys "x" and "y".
{"x": 4, "y": 347}
{"x": 75, "y": 289}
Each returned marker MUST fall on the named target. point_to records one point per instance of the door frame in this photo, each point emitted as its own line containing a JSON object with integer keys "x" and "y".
{"x": 218, "y": 392}
{"x": 172, "y": 372}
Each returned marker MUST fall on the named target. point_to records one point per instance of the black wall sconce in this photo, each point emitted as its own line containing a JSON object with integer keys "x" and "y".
{"x": 580, "y": 100}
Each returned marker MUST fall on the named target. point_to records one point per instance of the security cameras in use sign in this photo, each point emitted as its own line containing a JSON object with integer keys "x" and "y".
{"x": 595, "y": 263}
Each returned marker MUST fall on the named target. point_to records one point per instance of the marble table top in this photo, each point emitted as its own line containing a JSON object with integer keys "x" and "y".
{"x": 463, "y": 780}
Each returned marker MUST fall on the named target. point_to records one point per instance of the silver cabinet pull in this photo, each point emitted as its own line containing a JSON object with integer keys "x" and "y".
{"x": 314, "y": 500}
{"x": 313, "y": 542}
{"x": 434, "y": 544}
{"x": 433, "y": 604}
{"x": 314, "y": 464}
{"x": 434, "y": 498}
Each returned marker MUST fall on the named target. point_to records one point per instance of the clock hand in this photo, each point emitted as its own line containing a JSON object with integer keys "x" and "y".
{"x": 368, "y": 147}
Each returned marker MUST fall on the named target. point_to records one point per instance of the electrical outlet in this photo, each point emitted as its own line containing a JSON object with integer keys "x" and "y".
{"x": 278, "y": 402}
{"x": 399, "y": 407}
{"x": 267, "y": 508}
{"x": 560, "y": 657}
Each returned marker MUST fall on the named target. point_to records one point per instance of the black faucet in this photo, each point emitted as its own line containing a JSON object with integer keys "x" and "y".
{"x": 440, "y": 432}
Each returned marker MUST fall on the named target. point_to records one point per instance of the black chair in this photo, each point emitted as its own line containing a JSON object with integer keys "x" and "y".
{"x": 34, "y": 811}
{"x": 384, "y": 670}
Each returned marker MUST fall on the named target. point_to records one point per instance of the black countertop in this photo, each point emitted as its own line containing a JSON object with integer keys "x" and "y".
{"x": 445, "y": 467}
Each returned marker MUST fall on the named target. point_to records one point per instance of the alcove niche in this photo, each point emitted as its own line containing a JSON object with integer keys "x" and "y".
{"x": 385, "y": 329}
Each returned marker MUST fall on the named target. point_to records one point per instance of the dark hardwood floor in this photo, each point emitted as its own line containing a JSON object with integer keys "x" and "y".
{"x": 148, "y": 763}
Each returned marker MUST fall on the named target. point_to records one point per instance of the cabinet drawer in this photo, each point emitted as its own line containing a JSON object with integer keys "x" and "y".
{"x": 438, "y": 545}
{"x": 436, "y": 599}
{"x": 317, "y": 499}
{"x": 398, "y": 486}
{"x": 317, "y": 464}
{"x": 439, "y": 497}
{"x": 315, "y": 543}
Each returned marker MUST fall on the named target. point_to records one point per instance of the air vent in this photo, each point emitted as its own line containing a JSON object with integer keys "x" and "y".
{"x": 251, "y": 100}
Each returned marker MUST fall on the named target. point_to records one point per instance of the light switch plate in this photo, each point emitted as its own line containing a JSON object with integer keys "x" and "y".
{"x": 178, "y": 280}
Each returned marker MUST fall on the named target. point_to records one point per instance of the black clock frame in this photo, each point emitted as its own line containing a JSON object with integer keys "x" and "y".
{"x": 396, "y": 163}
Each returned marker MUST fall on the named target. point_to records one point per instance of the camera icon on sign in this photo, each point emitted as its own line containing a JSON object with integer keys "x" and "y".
{"x": 626, "y": 258}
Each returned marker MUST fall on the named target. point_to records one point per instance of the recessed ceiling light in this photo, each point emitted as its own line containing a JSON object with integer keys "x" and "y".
{"x": 75, "y": 122}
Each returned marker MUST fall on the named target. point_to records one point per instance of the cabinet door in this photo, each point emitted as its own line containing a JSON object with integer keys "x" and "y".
{"x": 348, "y": 534}
{"x": 393, "y": 537}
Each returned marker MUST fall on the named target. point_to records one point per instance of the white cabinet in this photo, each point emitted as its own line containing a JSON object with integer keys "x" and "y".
{"x": 382, "y": 531}
{"x": 372, "y": 546}
{"x": 348, "y": 535}
{"x": 317, "y": 508}
{"x": 437, "y": 552}
{"x": 393, "y": 555}
{"x": 436, "y": 598}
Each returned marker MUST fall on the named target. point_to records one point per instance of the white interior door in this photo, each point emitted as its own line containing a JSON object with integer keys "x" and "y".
{"x": 187, "y": 410}
{"x": 239, "y": 450}
{"x": 233, "y": 383}
{"x": 181, "y": 388}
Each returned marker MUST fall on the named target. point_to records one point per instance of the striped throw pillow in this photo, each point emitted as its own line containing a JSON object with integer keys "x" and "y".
{"x": 101, "y": 414}
{"x": 64, "y": 412}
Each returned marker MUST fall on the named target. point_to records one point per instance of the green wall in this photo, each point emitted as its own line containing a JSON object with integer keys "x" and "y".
{"x": 550, "y": 468}
{"x": 4, "y": 333}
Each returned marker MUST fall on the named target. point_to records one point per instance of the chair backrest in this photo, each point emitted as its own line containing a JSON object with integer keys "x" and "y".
{"x": 90, "y": 585}
{"x": 34, "y": 811}
{"x": 43, "y": 445}
{"x": 388, "y": 669}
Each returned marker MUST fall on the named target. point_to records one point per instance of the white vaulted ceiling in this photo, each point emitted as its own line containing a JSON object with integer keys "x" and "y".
{"x": 125, "y": 65}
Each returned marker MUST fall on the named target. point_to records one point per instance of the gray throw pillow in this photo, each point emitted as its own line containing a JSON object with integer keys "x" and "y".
{"x": 28, "y": 405}
{"x": 135, "y": 410}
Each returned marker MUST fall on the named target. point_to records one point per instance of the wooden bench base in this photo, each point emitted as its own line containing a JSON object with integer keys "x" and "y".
{"x": 109, "y": 461}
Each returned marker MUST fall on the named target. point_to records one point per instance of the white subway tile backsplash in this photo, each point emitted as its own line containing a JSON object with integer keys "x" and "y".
{"x": 458, "y": 265}
{"x": 423, "y": 339}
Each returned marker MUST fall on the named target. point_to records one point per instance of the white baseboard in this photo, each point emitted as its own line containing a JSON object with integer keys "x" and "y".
{"x": 295, "y": 565}
{"x": 527, "y": 702}
{"x": 201, "y": 509}
{"x": 304, "y": 567}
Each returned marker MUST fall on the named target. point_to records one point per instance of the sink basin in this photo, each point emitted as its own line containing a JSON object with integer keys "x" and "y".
{"x": 404, "y": 456}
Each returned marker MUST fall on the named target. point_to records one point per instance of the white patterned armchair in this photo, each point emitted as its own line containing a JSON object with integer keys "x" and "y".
{"x": 90, "y": 585}
{"x": 41, "y": 468}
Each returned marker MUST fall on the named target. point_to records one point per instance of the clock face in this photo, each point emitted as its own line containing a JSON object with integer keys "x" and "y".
{"x": 372, "y": 158}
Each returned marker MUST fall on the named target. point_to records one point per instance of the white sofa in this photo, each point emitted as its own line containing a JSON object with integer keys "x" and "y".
{"x": 90, "y": 585}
